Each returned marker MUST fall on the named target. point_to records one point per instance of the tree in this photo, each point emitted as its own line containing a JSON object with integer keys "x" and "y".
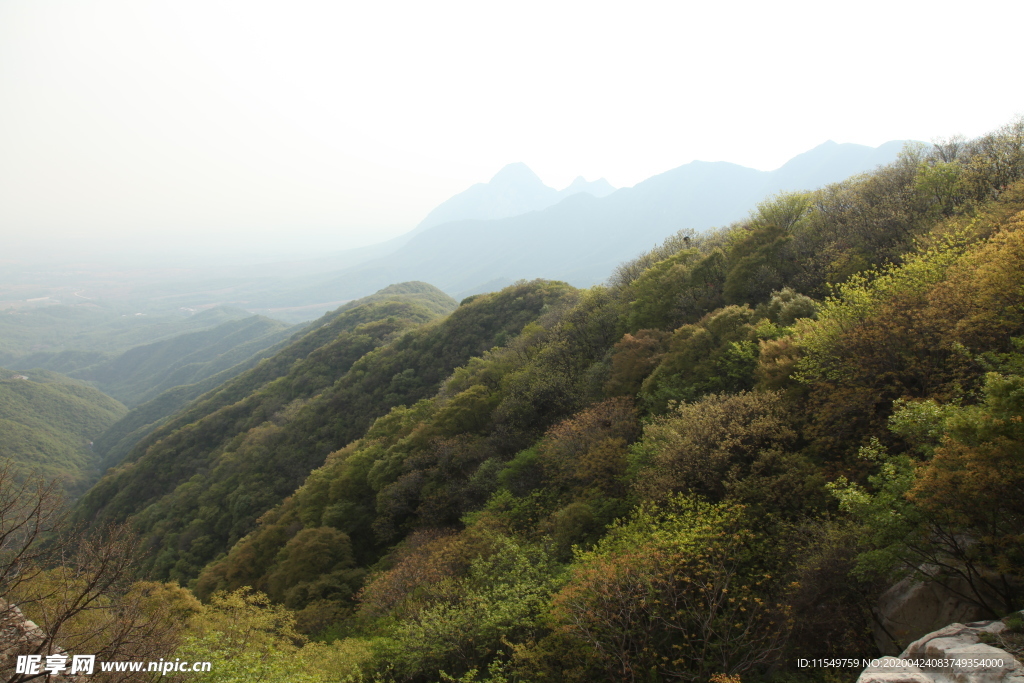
{"x": 472, "y": 621}
{"x": 249, "y": 640}
{"x": 758, "y": 256}
{"x": 30, "y": 510}
{"x": 679, "y": 592}
{"x": 712, "y": 445}
{"x": 79, "y": 589}
{"x": 316, "y": 564}
{"x": 956, "y": 509}
{"x": 633, "y": 358}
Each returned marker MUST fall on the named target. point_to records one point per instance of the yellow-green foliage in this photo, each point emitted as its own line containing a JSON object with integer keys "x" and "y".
{"x": 953, "y": 503}
{"x": 680, "y": 591}
{"x": 246, "y": 638}
{"x": 470, "y": 621}
{"x": 910, "y": 331}
{"x": 739, "y": 446}
{"x": 86, "y": 615}
{"x": 864, "y": 295}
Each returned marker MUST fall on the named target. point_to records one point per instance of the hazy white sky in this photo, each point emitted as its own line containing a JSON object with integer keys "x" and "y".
{"x": 189, "y": 124}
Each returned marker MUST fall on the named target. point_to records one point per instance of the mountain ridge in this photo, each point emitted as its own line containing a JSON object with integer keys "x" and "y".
{"x": 581, "y": 238}
{"x": 512, "y": 191}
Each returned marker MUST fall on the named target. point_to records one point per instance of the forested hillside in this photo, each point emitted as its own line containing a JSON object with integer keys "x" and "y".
{"x": 238, "y": 453}
{"x": 706, "y": 468}
{"x": 146, "y": 371}
{"x": 683, "y": 473}
{"x": 69, "y": 336}
{"x": 48, "y": 422}
{"x": 114, "y": 444}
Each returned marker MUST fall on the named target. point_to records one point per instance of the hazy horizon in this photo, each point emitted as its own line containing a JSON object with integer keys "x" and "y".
{"x": 91, "y": 252}
{"x": 280, "y": 131}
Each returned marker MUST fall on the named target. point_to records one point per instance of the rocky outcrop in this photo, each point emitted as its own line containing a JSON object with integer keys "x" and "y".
{"x": 18, "y": 636}
{"x": 912, "y": 608}
{"x": 21, "y": 636}
{"x": 940, "y": 657}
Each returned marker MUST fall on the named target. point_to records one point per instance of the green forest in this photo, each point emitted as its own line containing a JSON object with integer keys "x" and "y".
{"x": 703, "y": 470}
{"x": 48, "y": 423}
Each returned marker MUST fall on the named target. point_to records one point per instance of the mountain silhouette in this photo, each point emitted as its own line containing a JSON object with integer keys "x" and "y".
{"x": 513, "y": 190}
{"x": 514, "y": 227}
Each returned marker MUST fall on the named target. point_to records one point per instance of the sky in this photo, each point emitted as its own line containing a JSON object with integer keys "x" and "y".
{"x": 189, "y": 126}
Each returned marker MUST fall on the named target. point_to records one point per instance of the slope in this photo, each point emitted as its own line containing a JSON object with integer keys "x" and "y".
{"x": 115, "y": 443}
{"x": 48, "y": 423}
{"x": 198, "y": 484}
{"x": 145, "y": 371}
{"x": 707, "y": 387}
{"x": 64, "y": 338}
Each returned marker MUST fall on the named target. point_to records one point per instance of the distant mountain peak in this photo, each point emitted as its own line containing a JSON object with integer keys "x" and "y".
{"x": 516, "y": 173}
{"x": 490, "y": 235}
{"x": 842, "y": 159}
{"x": 513, "y": 191}
{"x": 598, "y": 188}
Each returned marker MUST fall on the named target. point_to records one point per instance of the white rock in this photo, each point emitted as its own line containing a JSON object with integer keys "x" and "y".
{"x": 953, "y": 642}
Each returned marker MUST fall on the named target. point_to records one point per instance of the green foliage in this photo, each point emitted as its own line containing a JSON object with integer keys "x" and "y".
{"x": 495, "y": 606}
{"x": 863, "y": 296}
{"x": 884, "y": 513}
{"x": 958, "y": 508}
{"x": 420, "y": 293}
{"x": 237, "y": 462}
{"x": 633, "y": 359}
{"x": 430, "y": 464}
{"x": 627, "y": 273}
{"x": 48, "y": 423}
{"x": 410, "y": 489}
{"x": 246, "y": 638}
{"x": 679, "y": 289}
{"x": 521, "y": 443}
{"x": 315, "y": 564}
{"x": 739, "y": 446}
{"x": 970, "y": 485}
{"x": 832, "y": 605}
{"x": 468, "y": 411}
{"x": 177, "y": 451}
{"x": 785, "y": 211}
{"x": 587, "y": 452}
{"x": 572, "y": 483}
{"x": 549, "y": 376}
{"x": 786, "y": 306}
{"x": 680, "y": 591}
{"x": 994, "y": 161}
{"x": 312, "y": 358}
{"x": 718, "y": 353}
{"x": 916, "y": 331}
{"x": 945, "y": 184}
{"x": 759, "y": 259}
